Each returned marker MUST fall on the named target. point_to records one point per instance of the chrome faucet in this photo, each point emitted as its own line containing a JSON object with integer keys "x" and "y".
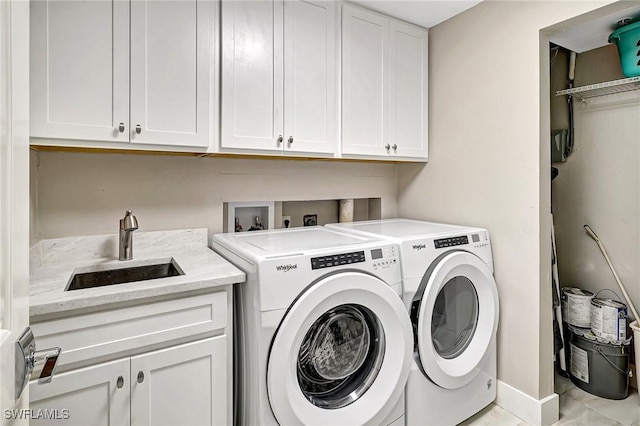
{"x": 127, "y": 225}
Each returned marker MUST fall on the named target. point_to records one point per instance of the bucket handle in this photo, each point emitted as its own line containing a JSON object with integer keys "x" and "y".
{"x": 626, "y": 373}
{"x": 608, "y": 289}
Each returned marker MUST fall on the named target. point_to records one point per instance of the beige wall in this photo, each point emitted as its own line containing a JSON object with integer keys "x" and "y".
{"x": 488, "y": 108}
{"x": 599, "y": 185}
{"x": 84, "y": 194}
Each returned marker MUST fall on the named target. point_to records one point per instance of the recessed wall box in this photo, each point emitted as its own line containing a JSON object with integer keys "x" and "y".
{"x": 248, "y": 216}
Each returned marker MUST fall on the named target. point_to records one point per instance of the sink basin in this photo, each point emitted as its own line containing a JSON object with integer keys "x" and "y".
{"x": 120, "y": 275}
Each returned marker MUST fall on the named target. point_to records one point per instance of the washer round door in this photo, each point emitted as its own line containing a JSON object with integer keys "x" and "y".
{"x": 341, "y": 354}
{"x": 455, "y": 316}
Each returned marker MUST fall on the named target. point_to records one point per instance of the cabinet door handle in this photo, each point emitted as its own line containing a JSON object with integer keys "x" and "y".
{"x": 290, "y": 140}
{"x": 140, "y": 377}
{"x": 138, "y": 129}
{"x": 121, "y": 128}
{"x": 387, "y": 147}
{"x": 120, "y": 382}
{"x": 279, "y": 139}
{"x": 394, "y": 146}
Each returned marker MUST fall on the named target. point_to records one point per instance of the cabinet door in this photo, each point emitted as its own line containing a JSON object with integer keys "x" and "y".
{"x": 80, "y": 69}
{"x": 96, "y": 395}
{"x": 171, "y": 52}
{"x": 365, "y": 75}
{"x": 408, "y": 91}
{"x": 182, "y": 385}
{"x": 310, "y": 76}
{"x": 252, "y": 75}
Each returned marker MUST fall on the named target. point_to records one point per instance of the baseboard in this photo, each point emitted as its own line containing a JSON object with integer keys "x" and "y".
{"x": 533, "y": 411}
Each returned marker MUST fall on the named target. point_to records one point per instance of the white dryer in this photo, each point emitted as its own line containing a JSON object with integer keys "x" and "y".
{"x": 322, "y": 336}
{"x": 452, "y": 300}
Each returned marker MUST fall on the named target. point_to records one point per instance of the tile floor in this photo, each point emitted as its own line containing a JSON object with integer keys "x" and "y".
{"x": 577, "y": 407}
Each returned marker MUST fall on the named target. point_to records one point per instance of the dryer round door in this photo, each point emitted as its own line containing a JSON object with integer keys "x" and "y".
{"x": 456, "y": 319}
{"x": 341, "y": 354}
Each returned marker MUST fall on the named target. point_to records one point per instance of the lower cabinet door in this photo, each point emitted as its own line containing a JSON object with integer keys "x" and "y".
{"x": 182, "y": 385}
{"x": 96, "y": 395}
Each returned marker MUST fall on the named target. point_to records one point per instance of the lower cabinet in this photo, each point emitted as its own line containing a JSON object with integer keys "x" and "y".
{"x": 183, "y": 385}
{"x": 180, "y": 385}
{"x": 96, "y": 395}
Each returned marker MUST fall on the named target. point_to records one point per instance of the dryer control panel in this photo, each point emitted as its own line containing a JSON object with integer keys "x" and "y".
{"x": 478, "y": 239}
{"x": 451, "y": 242}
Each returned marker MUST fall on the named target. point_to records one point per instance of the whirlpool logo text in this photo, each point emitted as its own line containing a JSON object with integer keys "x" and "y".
{"x": 419, "y": 246}
{"x": 286, "y": 268}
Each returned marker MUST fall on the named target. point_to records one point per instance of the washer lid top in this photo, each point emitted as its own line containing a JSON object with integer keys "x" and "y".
{"x": 292, "y": 240}
{"x": 402, "y": 228}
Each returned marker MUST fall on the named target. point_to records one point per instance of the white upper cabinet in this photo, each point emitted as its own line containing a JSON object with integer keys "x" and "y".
{"x": 171, "y": 47}
{"x": 120, "y": 71}
{"x": 80, "y": 70}
{"x": 384, "y": 87}
{"x": 142, "y": 74}
{"x": 279, "y": 72}
{"x": 408, "y": 90}
{"x": 365, "y": 82}
{"x": 310, "y": 58}
{"x": 251, "y": 75}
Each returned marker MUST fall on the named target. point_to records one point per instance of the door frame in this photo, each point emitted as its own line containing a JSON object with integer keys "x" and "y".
{"x": 14, "y": 199}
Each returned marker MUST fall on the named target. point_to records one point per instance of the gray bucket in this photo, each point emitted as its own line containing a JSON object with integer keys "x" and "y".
{"x": 599, "y": 366}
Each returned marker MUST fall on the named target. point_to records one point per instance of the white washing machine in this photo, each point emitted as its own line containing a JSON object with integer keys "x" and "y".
{"x": 322, "y": 336}
{"x": 452, "y": 299}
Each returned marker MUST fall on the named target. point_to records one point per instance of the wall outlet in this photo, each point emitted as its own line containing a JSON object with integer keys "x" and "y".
{"x": 310, "y": 220}
{"x": 286, "y": 221}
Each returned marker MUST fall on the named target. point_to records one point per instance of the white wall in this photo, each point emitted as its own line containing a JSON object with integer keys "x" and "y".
{"x": 489, "y": 112}
{"x": 599, "y": 185}
{"x": 84, "y": 194}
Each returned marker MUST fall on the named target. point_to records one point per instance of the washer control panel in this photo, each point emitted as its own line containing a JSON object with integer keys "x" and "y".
{"x": 383, "y": 257}
{"x": 337, "y": 260}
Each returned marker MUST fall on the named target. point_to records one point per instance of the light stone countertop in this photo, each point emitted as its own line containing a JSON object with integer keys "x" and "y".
{"x": 54, "y": 261}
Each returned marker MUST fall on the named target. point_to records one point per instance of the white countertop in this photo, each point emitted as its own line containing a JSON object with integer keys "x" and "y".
{"x": 54, "y": 261}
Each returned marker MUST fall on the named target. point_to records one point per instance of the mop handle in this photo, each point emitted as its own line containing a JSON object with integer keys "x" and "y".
{"x": 615, "y": 275}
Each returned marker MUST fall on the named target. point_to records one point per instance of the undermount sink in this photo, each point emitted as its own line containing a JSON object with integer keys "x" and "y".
{"x": 101, "y": 276}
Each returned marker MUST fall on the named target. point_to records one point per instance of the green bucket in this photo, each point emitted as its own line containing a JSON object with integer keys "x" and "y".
{"x": 627, "y": 40}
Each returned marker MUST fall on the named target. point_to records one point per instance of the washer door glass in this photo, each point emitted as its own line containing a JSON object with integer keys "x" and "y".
{"x": 455, "y": 317}
{"x": 340, "y": 356}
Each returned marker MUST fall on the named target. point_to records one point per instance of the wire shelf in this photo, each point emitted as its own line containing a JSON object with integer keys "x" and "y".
{"x": 602, "y": 89}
